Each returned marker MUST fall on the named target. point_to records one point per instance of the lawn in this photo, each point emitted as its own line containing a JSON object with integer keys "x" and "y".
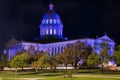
{"x": 60, "y": 75}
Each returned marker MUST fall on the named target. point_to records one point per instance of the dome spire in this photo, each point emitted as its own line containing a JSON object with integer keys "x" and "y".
{"x": 51, "y": 6}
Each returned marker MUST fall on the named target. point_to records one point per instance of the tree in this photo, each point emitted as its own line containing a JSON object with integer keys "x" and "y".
{"x": 19, "y": 61}
{"x": 37, "y": 54}
{"x": 93, "y": 60}
{"x": 104, "y": 57}
{"x": 66, "y": 57}
{"x": 34, "y": 54}
{"x": 80, "y": 52}
{"x": 42, "y": 61}
{"x": 31, "y": 49}
{"x": 117, "y": 55}
{"x": 3, "y": 61}
{"x": 30, "y": 52}
{"x": 21, "y": 51}
{"x": 52, "y": 62}
{"x": 36, "y": 65}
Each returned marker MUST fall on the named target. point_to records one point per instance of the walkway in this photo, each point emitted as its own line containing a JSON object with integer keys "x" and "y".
{"x": 30, "y": 78}
{"x": 100, "y": 76}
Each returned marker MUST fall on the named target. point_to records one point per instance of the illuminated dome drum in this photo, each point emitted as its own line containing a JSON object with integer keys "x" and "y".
{"x": 51, "y": 24}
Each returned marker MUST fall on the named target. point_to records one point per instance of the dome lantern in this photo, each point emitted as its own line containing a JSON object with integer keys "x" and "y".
{"x": 51, "y": 6}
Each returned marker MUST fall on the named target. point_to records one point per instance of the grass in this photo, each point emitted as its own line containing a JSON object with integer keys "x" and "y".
{"x": 84, "y": 74}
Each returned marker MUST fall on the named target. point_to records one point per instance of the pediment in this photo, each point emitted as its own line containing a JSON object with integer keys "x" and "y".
{"x": 12, "y": 42}
{"x": 105, "y": 38}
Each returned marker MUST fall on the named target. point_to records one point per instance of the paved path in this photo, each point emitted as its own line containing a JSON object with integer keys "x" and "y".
{"x": 100, "y": 76}
{"x": 30, "y": 78}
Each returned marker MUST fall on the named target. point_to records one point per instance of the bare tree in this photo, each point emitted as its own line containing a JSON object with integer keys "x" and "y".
{"x": 80, "y": 52}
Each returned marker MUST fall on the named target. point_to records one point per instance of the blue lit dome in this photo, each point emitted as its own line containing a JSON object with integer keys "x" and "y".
{"x": 51, "y": 17}
{"x": 51, "y": 24}
{"x": 51, "y": 14}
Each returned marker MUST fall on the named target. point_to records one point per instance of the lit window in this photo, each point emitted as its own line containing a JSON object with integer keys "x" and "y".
{"x": 47, "y": 31}
{"x": 50, "y": 31}
{"x": 46, "y": 21}
{"x": 54, "y": 21}
{"x": 54, "y": 31}
{"x": 50, "y": 21}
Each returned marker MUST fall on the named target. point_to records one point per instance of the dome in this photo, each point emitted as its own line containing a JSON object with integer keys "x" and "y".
{"x": 51, "y": 17}
{"x": 51, "y": 14}
{"x": 51, "y": 24}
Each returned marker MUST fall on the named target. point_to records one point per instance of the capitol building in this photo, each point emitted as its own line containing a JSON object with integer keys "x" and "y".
{"x": 51, "y": 25}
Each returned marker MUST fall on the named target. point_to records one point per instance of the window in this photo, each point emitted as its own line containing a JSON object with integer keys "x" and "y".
{"x": 50, "y": 21}
{"x": 54, "y": 21}
{"x": 47, "y": 32}
{"x": 50, "y": 31}
{"x": 46, "y": 21}
{"x": 54, "y": 31}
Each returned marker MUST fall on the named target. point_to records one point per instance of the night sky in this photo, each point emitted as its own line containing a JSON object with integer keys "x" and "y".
{"x": 81, "y": 18}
